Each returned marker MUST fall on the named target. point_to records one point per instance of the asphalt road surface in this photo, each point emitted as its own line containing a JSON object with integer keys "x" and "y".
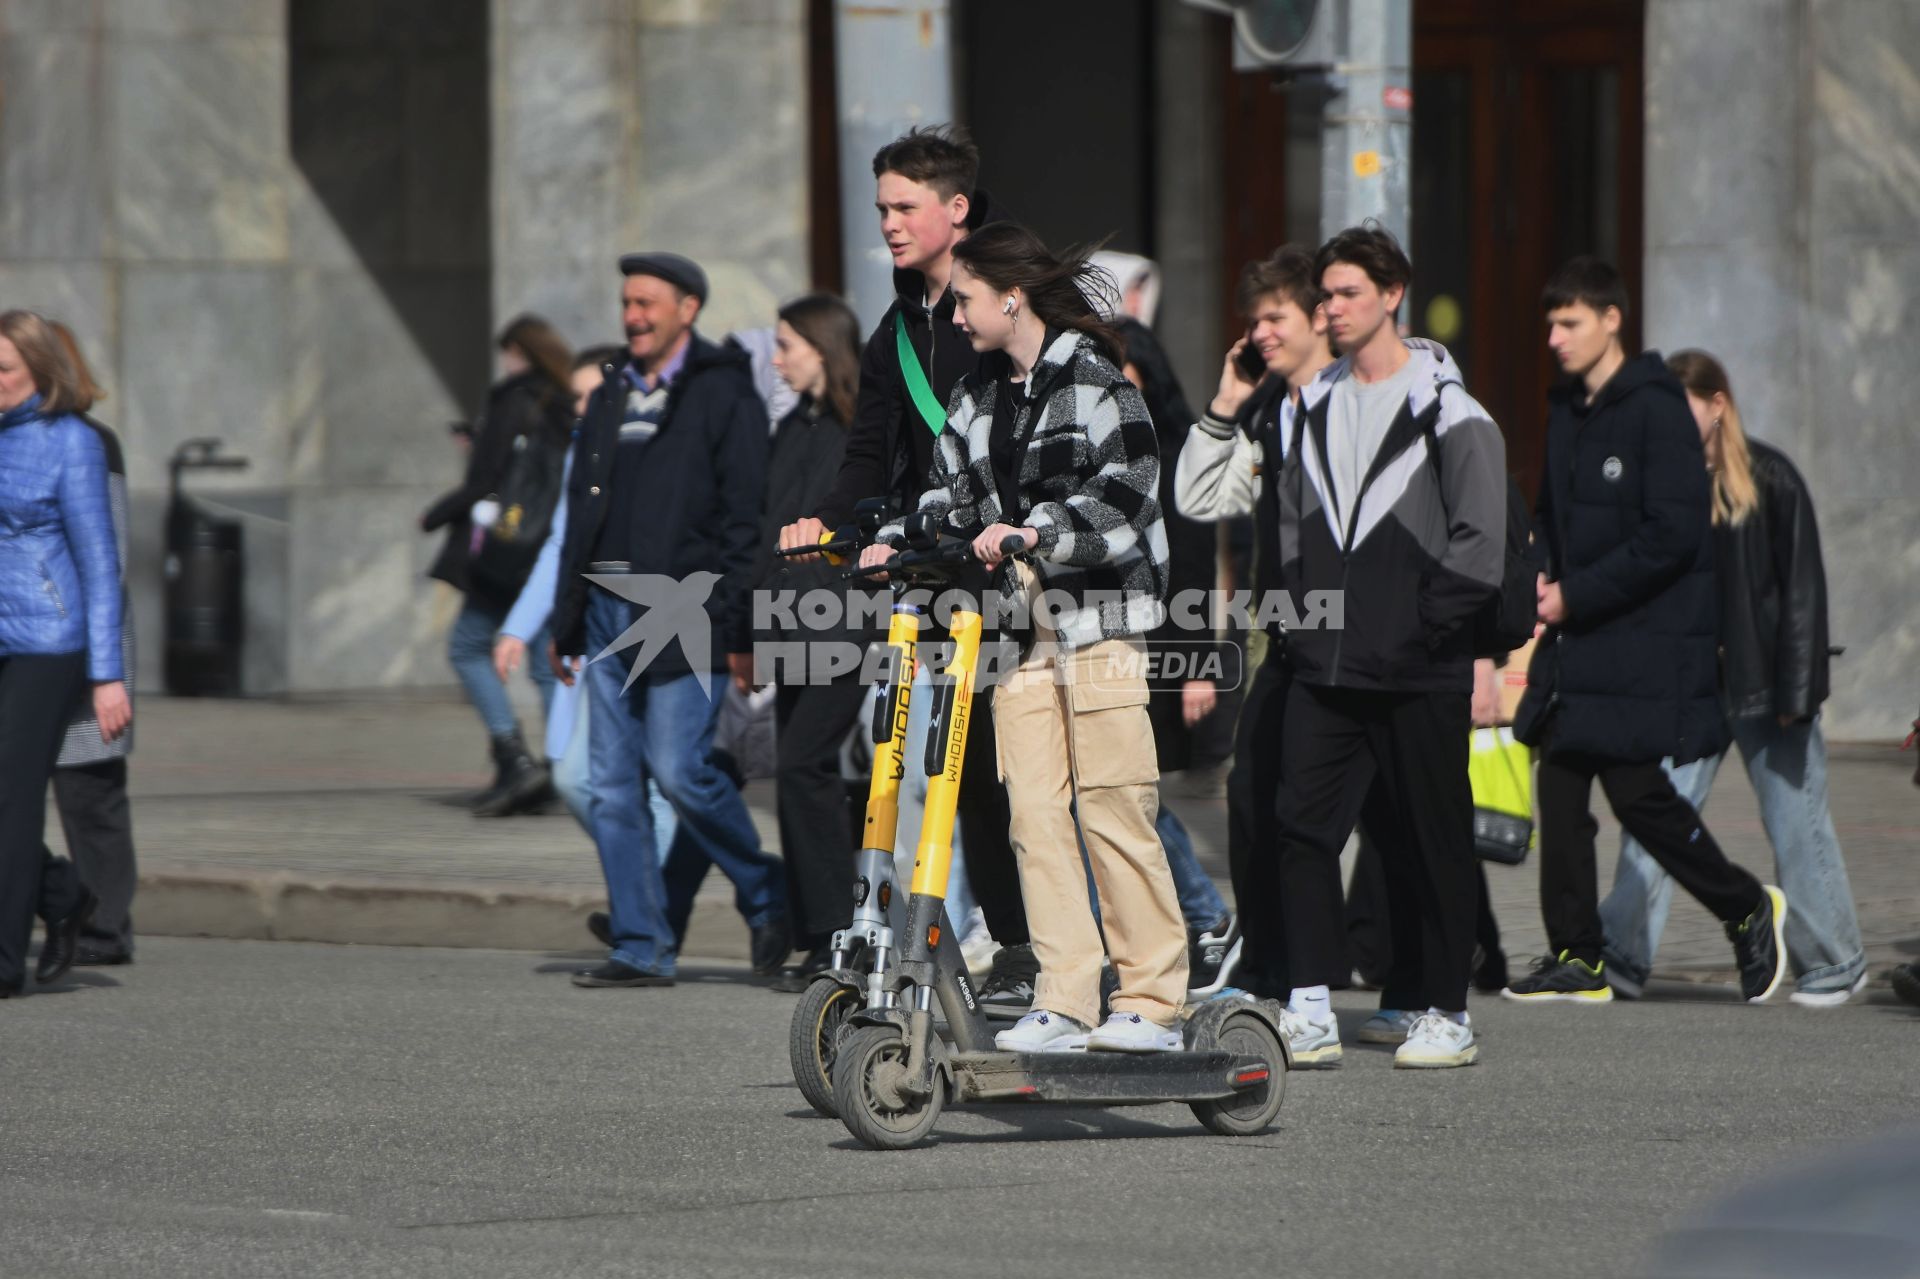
{"x": 262, "y": 1109}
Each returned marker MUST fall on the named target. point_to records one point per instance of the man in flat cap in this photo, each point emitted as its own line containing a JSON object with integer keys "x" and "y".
{"x": 669, "y": 473}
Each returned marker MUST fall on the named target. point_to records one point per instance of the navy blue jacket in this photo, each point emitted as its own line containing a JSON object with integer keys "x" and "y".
{"x": 59, "y": 567}
{"x": 701, "y": 487}
{"x": 1631, "y": 676}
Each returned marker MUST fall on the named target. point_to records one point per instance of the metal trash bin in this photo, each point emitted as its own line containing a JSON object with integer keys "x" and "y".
{"x": 205, "y": 566}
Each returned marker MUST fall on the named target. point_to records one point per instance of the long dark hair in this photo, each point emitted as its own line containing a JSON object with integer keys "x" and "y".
{"x": 1065, "y": 291}
{"x": 830, "y": 327}
{"x": 542, "y": 346}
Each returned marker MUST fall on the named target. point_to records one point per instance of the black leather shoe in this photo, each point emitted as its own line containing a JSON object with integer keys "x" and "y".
{"x": 63, "y": 940}
{"x": 600, "y": 924}
{"x": 94, "y": 955}
{"x": 801, "y": 975}
{"x": 614, "y": 975}
{"x": 772, "y": 943}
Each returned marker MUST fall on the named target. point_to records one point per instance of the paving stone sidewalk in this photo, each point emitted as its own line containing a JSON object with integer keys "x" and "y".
{"x": 341, "y": 820}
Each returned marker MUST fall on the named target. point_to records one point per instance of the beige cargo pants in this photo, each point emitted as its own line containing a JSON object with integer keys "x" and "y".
{"x": 1073, "y": 734}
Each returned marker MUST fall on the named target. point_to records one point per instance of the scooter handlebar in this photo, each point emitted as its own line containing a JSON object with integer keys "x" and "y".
{"x": 957, "y": 551}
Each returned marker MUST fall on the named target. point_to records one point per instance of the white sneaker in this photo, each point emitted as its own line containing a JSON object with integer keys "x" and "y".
{"x": 1436, "y": 1042}
{"x": 1828, "y": 998}
{"x": 1388, "y": 1026}
{"x": 1313, "y": 1046}
{"x": 1041, "y": 1031}
{"x": 1132, "y": 1033}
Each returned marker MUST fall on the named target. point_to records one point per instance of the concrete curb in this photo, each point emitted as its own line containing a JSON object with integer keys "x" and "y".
{"x": 282, "y": 907}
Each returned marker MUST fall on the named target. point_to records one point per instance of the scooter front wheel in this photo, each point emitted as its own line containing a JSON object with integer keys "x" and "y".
{"x": 1253, "y": 1110}
{"x": 819, "y": 1024}
{"x": 870, "y": 1078}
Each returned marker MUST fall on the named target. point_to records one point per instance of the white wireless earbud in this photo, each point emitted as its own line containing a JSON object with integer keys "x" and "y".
{"x": 1008, "y": 308}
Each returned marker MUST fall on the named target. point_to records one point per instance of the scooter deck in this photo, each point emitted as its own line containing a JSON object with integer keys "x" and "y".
{"x": 1104, "y": 1078}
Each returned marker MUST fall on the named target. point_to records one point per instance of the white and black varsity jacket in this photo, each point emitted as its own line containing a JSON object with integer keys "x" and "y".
{"x": 1089, "y": 478}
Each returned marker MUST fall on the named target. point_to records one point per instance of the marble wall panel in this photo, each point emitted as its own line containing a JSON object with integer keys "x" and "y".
{"x": 1859, "y": 459}
{"x": 198, "y": 17}
{"x": 1865, "y": 127}
{"x": 581, "y": 299}
{"x": 564, "y": 104}
{"x": 85, "y": 295}
{"x": 735, "y": 161}
{"x": 509, "y": 15}
{"x": 54, "y": 188}
{"x": 1742, "y": 304}
{"x": 204, "y": 354}
{"x": 50, "y": 17}
{"x": 367, "y": 406}
{"x": 1722, "y": 121}
{"x": 362, "y": 613}
{"x": 198, "y": 148}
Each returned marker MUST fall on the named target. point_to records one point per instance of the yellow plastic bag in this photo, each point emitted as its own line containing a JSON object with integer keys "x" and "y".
{"x": 1501, "y": 771}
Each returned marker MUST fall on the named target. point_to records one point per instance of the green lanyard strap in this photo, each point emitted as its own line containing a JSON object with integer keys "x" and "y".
{"x": 931, "y": 410}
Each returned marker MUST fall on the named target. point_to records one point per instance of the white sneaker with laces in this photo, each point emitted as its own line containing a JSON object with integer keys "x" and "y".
{"x": 1388, "y": 1026}
{"x": 1436, "y": 1042}
{"x": 1132, "y": 1033}
{"x": 1041, "y": 1031}
{"x": 1311, "y": 1044}
{"x": 1828, "y": 998}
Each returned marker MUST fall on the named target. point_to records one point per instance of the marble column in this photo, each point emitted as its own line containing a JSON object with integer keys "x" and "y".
{"x": 1783, "y": 235}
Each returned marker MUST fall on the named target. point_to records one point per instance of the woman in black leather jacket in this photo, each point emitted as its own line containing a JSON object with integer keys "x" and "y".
{"x": 1773, "y": 678}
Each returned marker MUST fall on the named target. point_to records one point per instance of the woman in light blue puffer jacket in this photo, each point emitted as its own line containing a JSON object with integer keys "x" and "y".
{"x": 59, "y": 630}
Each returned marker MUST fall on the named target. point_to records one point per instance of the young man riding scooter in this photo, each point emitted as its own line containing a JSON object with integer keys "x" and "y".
{"x": 926, "y": 197}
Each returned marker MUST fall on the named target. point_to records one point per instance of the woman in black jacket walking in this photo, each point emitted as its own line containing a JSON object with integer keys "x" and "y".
{"x": 1773, "y": 678}
{"x": 817, "y": 353}
{"x": 494, "y": 537}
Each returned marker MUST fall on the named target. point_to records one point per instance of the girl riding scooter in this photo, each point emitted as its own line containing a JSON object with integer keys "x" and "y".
{"x": 1052, "y": 443}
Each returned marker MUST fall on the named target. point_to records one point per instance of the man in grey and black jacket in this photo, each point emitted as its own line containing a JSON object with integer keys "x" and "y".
{"x": 1393, "y": 499}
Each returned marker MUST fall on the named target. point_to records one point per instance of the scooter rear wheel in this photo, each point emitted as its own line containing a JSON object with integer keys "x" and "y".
{"x": 819, "y": 1024}
{"x": 1252, "y": 1111}
{"x": 868, "y": 1077}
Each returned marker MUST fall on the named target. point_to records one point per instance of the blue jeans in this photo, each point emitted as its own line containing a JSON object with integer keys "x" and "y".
{"x": 661, "y": 730}
{"x": 470, "y": 651}
{"x": 569, "y": 764}
{"x": 1788, "y": 769}
{"x": 1200, "y": 902}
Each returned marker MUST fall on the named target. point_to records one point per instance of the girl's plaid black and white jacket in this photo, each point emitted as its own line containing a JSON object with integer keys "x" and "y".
{"x": 1087, "y": 465}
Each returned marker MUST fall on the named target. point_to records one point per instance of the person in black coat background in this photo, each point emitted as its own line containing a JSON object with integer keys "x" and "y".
{"x": 530, "y": 408}
{"x": 1773, "y": 678}
{"x": 1624, "y": 675}
{"x": 817, "y": 353}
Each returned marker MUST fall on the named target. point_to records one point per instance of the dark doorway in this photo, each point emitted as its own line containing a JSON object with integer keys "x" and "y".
{"x": 388, "y": 111}
{"x": 1527, "y": 151}
{"x": 1060, "y": 98}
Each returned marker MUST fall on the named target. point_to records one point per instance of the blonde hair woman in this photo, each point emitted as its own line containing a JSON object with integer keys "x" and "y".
{"x": 1773, "y": 678}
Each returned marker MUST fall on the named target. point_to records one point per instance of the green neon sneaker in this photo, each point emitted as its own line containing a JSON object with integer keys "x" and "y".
{"x": 1561, "y": 979}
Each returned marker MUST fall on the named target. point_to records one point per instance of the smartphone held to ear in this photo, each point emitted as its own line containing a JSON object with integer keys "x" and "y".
{"x": 1250, "y": 363}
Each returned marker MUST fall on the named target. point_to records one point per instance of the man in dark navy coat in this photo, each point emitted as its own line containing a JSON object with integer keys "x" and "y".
{"x": 1625, "y": 674}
